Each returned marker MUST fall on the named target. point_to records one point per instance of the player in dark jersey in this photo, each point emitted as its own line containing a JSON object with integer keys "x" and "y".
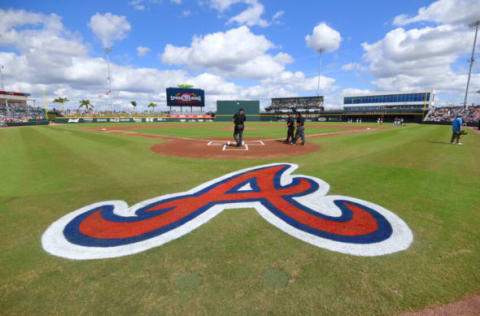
{"x": 291, "y": 129}
{"x": 239, "y": 119}
{"x": 300, "y": 132}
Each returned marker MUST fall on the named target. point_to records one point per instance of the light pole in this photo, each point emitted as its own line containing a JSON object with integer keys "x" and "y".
{"x": 320, "y": 52}
{"x": 1, "y": 76}
{"x": 107, "y": 51}
{"x": 472, "y": 60}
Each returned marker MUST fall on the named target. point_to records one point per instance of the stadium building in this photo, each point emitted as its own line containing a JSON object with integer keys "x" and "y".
{"x": 411, "y": 106}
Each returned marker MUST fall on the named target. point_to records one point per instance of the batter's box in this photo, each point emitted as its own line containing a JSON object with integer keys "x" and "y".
{"x": 255, "y": 143}
{"x": 247, "y": 143}
{"x": 216, "y": 143}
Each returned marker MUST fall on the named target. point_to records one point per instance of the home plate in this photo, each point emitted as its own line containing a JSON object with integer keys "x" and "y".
{"x": 228, "y": 147}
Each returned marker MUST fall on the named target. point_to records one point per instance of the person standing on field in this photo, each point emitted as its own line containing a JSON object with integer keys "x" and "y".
{"x": 291, "y": 128}
{"x": 300, "y": 132}
{"x": 456, "y": 130}
{"x": 239, "y": 119}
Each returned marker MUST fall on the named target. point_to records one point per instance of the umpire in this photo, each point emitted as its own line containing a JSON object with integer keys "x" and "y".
{"x": 300, "y": 129}
{"x": 291, "y": 128}
{"x": 239, "y": 119}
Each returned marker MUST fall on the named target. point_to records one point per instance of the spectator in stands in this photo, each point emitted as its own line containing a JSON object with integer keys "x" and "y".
{"x": 300, "y": 132}
{"x": 456, "y": 130}
{"x": 239, "y": 119}
{"x": 291, "y": 129}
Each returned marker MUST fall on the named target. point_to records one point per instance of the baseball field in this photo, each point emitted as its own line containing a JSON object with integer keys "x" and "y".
{"x": 235, "y": 262}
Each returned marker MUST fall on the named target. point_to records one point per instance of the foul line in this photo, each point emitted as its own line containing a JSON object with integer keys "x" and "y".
{"x": 211, "y": 142}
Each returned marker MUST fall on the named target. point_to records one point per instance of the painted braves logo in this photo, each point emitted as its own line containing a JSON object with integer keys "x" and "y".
{"x": 298, "y": 205}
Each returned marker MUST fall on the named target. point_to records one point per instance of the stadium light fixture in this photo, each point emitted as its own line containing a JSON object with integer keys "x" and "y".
{"x": 107, "y": 51}
{"x": 472, "y": 60}
{"x": 320, "y": 52}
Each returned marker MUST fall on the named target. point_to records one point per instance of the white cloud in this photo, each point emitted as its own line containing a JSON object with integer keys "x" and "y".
{"x": 109, "y": 27}
{"x": 49, "y": 57}
{"x": 235, "y": 53}
{"x": 324, "y": 38}
{"x": 417, "y": 52}
{"x": 355, "y": 91}
{"x": 137, "y": 5}
{"x": 49, "y": 36}
{"x": 297, "y": 81}
{"x": 354, "y": 66}
{"x": 141, "y": 5}
{"x": 214, "y": 84}
{"x": 251, "y": 16}
{"x": 38, "y": 62}
{"x": 278, "y": 15}
{"x": 142, "y": 51}
{"x": 421, "y": 58}
{"x": 222, "y": 5}
{"x": 186, "y": 13}
{"x": 444, "y": 11}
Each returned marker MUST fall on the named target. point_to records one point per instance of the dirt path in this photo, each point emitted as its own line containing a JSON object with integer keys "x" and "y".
{"x": 217, "y": 148}
{"x": 466, "y": 307}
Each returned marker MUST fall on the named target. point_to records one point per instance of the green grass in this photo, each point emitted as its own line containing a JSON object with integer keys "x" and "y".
{"x": 49, "y": 171}
{"x": 225, "y": 130}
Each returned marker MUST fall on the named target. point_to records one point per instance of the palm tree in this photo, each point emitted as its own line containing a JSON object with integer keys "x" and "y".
{"x": 86, "y": 104}
{"x": 60, "y": 100}
{"x": 134, "y": 104}
{"x": 152, "y": 105}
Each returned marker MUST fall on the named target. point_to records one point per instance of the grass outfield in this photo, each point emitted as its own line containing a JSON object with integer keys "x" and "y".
{"x": 221, "y": 267}
{"x": 224, "y": 130}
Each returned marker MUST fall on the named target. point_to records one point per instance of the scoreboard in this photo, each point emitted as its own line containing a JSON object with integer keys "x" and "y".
{"x": 185, "y": 97}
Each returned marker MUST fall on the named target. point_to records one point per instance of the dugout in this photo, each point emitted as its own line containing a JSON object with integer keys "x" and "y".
{"x": 226, "y": 109}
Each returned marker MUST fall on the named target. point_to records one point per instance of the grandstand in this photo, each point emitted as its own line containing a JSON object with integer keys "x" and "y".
{"x": 310, "y": 106}
{"x": 411, "y": 105}
{"x": 471, "y": 114}
{"x": 16, "y": 110}
{"x": 282, "y": 105}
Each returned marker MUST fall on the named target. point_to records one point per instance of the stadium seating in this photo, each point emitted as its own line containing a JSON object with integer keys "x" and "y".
{"x": 16, "y": 113}
{"x": 446, "y": 114}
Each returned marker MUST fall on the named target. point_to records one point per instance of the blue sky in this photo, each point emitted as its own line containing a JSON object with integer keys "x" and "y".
{"x": 389, "y": 62}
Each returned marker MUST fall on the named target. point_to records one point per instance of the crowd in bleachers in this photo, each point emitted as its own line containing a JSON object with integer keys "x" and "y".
{"x": 296, "y": 103}
{"x": 93, "y": 113}
{"x": 470, "y": 114}
{"x": 20, "y": 112}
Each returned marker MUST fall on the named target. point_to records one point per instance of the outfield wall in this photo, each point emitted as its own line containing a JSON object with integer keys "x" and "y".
{"x": 28, "y": 123}
{"x": 226, "y": 110}
{"x": 126, "y": 120}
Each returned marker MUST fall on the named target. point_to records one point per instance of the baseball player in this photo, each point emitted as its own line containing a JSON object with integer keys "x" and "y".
{"x": 300, "y": 132}
{"x": 239, "y": 119}
{"x": 291, "y": 129}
